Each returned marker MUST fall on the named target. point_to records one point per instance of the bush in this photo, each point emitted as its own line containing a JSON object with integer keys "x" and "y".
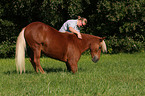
{"x": 7, "y": 49}
{"x": 122, "y": 22}
{"x": 126, "y": 44}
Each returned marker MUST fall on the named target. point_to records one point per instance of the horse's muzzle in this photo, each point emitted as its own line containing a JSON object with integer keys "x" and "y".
{"x": 95, "y": 59}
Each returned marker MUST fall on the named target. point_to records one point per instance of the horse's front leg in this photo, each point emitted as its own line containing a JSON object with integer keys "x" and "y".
{"x": 68, "y": 66}
{"x": 72, "y": 66}
{"x": 73, "y": 57}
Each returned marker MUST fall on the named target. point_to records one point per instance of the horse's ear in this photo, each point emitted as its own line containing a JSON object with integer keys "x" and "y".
{"x": 102, "y": 39}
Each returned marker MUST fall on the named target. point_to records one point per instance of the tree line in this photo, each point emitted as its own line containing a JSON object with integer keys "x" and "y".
{"x": 122, "y": 22}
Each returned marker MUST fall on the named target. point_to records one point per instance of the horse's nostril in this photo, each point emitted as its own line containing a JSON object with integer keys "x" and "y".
{"x": 95, "y": 59}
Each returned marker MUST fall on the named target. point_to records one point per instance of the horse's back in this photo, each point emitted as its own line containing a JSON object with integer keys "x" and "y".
{"x": 38, "y": 32}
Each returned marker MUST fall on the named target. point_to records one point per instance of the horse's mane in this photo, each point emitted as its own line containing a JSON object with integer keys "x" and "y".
{"x": 92, "y": 37}
{"x": 104, "y": 48}
{"x": 88, "y": 36}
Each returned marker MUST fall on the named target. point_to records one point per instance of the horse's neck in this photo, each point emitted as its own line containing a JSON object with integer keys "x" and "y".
{"x": 86, "y": 41}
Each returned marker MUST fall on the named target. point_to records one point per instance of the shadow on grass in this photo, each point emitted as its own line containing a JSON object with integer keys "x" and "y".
{"x": 47, "y": 70}
{"x": 51, "y": 70}
{"x": 15, "y": 72}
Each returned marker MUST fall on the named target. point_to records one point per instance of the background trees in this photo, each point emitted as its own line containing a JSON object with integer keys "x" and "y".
{"x": 120, "y": 21}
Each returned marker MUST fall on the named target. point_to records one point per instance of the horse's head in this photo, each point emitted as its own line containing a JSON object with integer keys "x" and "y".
{"x": 96, "y": 48}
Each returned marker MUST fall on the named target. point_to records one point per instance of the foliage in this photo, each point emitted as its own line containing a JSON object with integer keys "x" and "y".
{"x": 113, "y": 75}
{"x": 7, "y": 49}
{"x": 119, "y": 21}
{"x": 126, "y": 44}
{"x": 122, "y": 22}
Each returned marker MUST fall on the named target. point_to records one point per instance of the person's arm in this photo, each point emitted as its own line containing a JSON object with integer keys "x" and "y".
{"x": 74, "y": 31}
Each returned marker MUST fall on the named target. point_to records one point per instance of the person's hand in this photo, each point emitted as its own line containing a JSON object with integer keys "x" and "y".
{"x": 79, "y": 36}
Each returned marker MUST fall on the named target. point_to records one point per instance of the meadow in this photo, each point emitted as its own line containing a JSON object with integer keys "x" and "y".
{"x": 113, "y": 75}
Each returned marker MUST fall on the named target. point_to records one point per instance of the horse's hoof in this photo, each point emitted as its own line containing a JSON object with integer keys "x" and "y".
{"x": 43, "y": 72}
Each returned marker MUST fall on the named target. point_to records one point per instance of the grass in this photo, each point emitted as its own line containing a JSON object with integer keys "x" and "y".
{"x": 113, "y": 75}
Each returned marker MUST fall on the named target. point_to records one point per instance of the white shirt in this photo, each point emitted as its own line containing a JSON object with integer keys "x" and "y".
{"x": 69, "y": 23}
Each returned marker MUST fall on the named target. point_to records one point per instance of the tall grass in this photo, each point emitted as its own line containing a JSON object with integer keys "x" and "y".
{"x": 113, "y": 75}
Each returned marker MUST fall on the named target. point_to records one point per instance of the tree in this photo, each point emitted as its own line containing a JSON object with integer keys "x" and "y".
{"x": 121, "y": 21}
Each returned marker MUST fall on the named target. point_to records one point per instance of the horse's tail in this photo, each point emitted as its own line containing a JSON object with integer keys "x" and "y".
{"x": 104, "y": 48}
{"x": 20, "y": 52}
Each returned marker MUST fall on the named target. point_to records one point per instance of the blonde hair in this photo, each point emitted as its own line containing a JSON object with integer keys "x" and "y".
{"x": 82, "y": 19}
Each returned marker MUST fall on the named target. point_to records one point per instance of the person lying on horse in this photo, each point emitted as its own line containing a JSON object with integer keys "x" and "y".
{"x": 74, "y": 26}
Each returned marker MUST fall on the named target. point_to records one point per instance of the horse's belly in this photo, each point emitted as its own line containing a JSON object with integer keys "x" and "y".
{"x": 56, "y": 53}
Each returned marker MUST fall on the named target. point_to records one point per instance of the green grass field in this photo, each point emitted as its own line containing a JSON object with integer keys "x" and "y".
{"x": 113, "y": 75}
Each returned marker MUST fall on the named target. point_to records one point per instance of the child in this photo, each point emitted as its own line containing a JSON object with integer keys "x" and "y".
{"x": 74, "y": 26}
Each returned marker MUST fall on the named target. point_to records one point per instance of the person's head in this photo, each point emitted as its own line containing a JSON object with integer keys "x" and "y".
{"x": 81, "y": 21}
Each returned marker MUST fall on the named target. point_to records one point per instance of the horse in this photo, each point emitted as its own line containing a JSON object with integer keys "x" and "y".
{"x": 66, "y": 47}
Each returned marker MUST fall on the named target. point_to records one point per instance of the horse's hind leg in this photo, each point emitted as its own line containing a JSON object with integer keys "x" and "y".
{"x": 32, "y": 62}
{"x": 31, "y": 55}
{"x": 35, "y": 59}
{"x": 37, "y": 53}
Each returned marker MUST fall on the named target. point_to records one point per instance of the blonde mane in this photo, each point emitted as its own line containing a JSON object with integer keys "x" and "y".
{"x": 104, "y": 48}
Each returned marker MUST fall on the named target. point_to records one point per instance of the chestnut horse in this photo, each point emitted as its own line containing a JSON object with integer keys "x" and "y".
{"x": 65, "y": 47}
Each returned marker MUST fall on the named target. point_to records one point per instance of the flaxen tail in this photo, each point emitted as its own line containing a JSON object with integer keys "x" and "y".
{"x": 20, "y": 52}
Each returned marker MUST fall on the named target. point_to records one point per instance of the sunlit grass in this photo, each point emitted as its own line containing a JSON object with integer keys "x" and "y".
{"x": 113, "y": 75}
